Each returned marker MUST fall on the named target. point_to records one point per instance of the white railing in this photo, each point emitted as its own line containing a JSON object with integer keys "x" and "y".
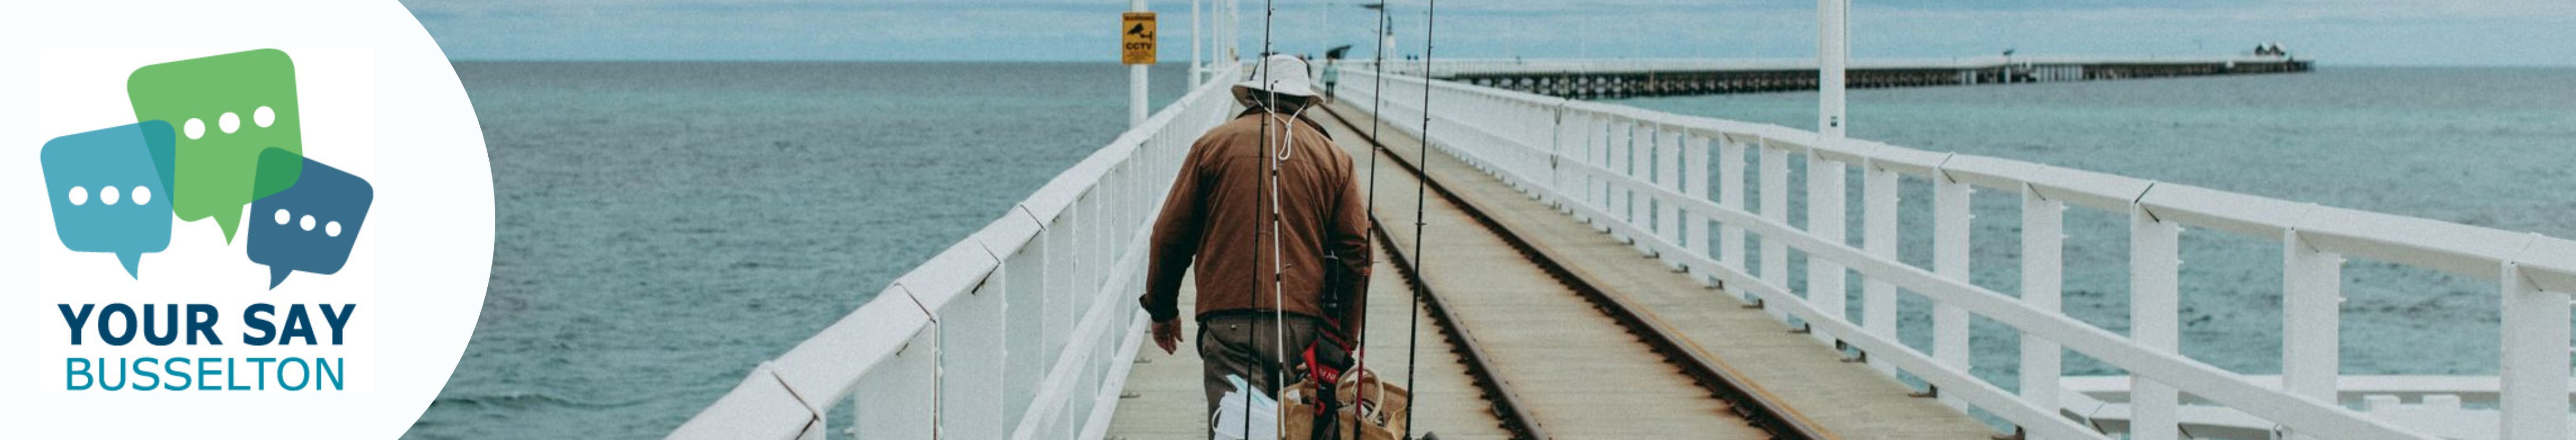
{"x": 1022, "y": 331}
{"x": 1645, "y": 176}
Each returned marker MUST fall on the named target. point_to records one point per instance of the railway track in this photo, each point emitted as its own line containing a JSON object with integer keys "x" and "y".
{"x": 1538, "y": 338}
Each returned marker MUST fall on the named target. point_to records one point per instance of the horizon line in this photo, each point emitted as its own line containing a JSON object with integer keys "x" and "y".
{"x": 1184, "y": 63}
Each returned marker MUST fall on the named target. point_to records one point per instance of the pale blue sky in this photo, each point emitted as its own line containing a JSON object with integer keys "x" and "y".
{"x": 2348, "y": 32}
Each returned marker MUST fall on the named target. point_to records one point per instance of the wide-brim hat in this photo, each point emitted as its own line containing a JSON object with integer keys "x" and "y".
{"x": 1287, "y": 75}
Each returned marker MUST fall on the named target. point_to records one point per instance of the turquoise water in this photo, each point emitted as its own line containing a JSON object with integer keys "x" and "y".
{"x": 2484, "y": 147}
{"x": 666, "y": 226}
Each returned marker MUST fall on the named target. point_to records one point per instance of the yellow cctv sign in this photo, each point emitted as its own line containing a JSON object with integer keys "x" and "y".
{"x": 1137, "y": 38}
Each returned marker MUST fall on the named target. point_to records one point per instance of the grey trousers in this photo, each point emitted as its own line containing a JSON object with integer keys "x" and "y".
{"x": 1247, "y": 345}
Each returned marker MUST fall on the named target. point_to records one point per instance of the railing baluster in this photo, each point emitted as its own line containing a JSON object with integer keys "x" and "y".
{"x": 2043, "y": 250}
{"x": 1668, "y": 218}
{"x": 893, "y": 401}
{"x": 1775, "y": 207}
{"x": 1595, "y": 187}
{"x": 1879, "y": 239}
{"x": 1063, "y": 260}
{"x": 1025, "y": 280}
{"x": 970, "y": 330}
{"x": 1642, "y": 140}
{"x": 2154, "y": 301}
{"x": 1730, "y": 189}
{"x": 2311, "y": 320}
{"x": 1558, "y": 136}
{"x": 1618, "y": 151}
{"x": 2534, "y": 366}
{"x": 1695, "y": 184}
{"x": 1825, "y": 197}
{"x": 1950, "y": 251}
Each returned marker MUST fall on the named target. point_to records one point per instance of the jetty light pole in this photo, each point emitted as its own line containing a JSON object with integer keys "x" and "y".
{"x": 1196, "y": 69}
{"x": 1136, "y": 80}
{"x": 1833, "y": 53}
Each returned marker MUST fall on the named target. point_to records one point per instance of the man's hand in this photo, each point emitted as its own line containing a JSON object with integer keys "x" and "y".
{"x": 1167, "y": 334}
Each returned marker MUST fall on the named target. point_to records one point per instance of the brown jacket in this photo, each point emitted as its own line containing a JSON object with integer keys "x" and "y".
{"x": 1213, "y": 219}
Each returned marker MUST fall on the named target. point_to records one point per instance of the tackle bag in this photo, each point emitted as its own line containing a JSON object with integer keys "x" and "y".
{"x": 1376, "y": 408}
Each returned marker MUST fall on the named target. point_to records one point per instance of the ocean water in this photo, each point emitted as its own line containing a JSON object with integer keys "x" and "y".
{"x": 2486, "y": 147}
{"x": 664, "y": 227}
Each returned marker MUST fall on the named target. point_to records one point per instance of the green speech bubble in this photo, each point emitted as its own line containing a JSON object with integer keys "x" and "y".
{"x": 226, "y": 108}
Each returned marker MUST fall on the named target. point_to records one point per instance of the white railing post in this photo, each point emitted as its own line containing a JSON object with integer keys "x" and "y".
{"x": 1825, "y": 194}
{"x": 2311, "y": 320}
{"x": 1062, "y": 261}
{"x": 1879, "y": 239}
{"x": 1730, "y": 190}
{"x": 1775, "y": 207}
{"x": 2534, "y": 370}
{"x": 2154, "y": 302}
{"x": 1639, "y": 149}
{"x": 1558, "y": 132}
{"x": 1695, "y": 184}
{"x": 1950, "y": 252}
{"x": 1618, "y": 151}
{"x": 2043, "y": 250}
{"x": 1024, "y": 278}
{"x": 1668, "y": 170}
{"x": 894, "y": 401}
{"x": 1595, "y": 186}
{"x": 971, "y": 357}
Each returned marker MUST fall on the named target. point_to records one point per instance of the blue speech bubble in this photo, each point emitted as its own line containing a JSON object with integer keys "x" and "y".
{"x": 311, "y": 225}
{"x": 111, "y": 190}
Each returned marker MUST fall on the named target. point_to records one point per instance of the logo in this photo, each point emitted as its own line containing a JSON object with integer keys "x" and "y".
{"x": 217, "y": 138}
{"x": 215, "y": 134}
{"x": 234, "y": 218}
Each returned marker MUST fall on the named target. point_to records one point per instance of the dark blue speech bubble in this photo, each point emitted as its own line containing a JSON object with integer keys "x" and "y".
{"x": 311, "y": 225}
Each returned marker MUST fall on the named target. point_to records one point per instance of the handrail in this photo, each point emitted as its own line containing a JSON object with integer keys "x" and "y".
{"x": 1021, "y": 331}
{"x": 1645, "y": 177}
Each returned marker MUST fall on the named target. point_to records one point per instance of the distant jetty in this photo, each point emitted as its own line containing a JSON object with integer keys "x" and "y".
{"x": 1673, "y": 77}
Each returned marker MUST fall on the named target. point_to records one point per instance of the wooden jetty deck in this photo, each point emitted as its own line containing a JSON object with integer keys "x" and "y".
{"x": 1514, "y": 287}
{"x": 1164, "y": 401}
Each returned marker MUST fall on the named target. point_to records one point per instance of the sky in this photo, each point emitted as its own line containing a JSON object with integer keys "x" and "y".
{"x": 2348, "y": 32}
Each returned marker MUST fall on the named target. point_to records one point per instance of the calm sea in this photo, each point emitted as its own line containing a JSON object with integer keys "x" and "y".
{"x": 666, "y": 226}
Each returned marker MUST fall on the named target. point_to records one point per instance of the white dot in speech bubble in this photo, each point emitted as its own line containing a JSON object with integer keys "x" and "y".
{"x": 332, "y": 229}
{"x": 79, "y": 196}
{"x": 308, "y": 222}
{"x": 263, "y": 116}
{"x": 230, "y": 122}
{"x": 107, "y": 195}
{"x": 282, "y": 217}
{"x": 196, "y": 128}
{"x": 142, "y": 195}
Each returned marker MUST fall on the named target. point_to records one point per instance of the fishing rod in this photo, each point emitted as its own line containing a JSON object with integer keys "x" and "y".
{"x": 1377, "y": 100}
{"x": 1430, "y": 19}
{"x": 1261, "y": 70}
{"x": 1270, "y": 102}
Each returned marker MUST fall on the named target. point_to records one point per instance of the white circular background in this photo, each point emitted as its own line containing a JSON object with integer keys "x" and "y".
{"x": 428, "y": 236}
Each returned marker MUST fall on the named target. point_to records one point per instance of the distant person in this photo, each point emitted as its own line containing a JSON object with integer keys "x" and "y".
{"x": 1216, "y": 220}
{"x": 1332, "y": 77}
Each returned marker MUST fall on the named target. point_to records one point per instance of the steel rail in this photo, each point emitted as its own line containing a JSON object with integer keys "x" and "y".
{"x": 1507, "y": 405}
{"x": 1723, "y": 382}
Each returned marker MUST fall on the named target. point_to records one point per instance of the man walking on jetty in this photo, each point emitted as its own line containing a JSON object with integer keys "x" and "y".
{"x": 1216, "y": 220}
